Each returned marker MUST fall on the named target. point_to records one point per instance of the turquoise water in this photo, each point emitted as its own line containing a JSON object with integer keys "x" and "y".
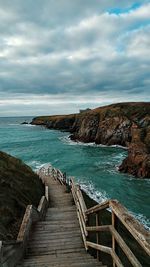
{"x": 94, "y": 167}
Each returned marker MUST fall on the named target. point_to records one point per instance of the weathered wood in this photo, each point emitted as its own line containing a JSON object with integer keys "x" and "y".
{"x": 26, "y": 225}
{"x": 102, "y": 228}
{"x": 46, "y": 193}
{"x": 80, "y": 215}
{"x": 97, "y": 235}
{"x": 42, "y": 206}
{"x": 98, "y": 207}
{"x": 81, "y": 203}
{"x": 1, "y": 251}
{"x": 132, "y": 225}
{"x": 116, "y": 259}
{"x": 99, "y": 247}
{"x": 125, "y": 248}
{"x": 60, "y": 234}
{"x": 113, "y": 238}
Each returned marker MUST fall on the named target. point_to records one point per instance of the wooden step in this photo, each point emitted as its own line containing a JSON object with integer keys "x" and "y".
{"x": 56, "y": 241}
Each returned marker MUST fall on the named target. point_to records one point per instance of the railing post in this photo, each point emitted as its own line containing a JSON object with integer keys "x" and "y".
{"x": 113, "y": 238}
{"x": 1, "y": 252}
{"x": 64, "y": 178}
{"x": 97, "y": 235}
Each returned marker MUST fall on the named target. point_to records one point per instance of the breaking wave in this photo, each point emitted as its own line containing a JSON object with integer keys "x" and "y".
{"x": 66, "y": 139}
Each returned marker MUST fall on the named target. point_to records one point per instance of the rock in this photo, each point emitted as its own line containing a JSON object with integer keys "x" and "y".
{"x": 24, "y": 122}
{"x": 138, "y": 161}
{"x": 125, "y": 124}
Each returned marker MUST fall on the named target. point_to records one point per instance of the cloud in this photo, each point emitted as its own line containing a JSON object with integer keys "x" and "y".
{"x": 73, "y": 48}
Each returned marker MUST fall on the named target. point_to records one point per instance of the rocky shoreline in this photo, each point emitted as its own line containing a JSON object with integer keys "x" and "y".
{"x": 123, "y": 124}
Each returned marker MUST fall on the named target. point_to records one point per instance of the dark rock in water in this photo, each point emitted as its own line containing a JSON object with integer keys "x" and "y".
{"x": 19, "y": 187}
{"x": 24, "y": 122}
{"x": 111, "y": 125}
{"x": 138, "y": 161}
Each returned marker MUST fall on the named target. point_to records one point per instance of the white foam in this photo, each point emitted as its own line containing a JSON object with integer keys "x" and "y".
{"x": 36, "y": 165}
{"x": 101, "y": 196}
{"x": 28, "y": 125}
{"x": 90, "y": 190}
{"x": 66, "y": 139}
{"x": 142, "y": 219}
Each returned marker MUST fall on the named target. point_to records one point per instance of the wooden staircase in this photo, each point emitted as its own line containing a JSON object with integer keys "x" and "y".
{"x": 57, "y": 241}
{"x": 62, "y": 230}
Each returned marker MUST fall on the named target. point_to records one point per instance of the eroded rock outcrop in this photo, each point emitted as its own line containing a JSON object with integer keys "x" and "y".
{"x": 138, "y": 160}
{"x": 125, "y": 124}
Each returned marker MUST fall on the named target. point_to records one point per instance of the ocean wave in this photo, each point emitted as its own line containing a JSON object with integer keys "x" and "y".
{"x": 66, "y": 139}
{"x": 28, "y": 125}
{"x": 142, "y": 219}
{"x": 90, "y": 190}
{"x": 36, "y": 165}
{"x": 101, "y": 196}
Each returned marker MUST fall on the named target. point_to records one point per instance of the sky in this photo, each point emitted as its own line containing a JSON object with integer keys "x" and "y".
{"x": 57, "y": 57}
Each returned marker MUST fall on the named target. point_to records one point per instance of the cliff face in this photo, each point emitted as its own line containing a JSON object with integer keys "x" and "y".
{"x": 19, "y": 187}
{"x": 126, "y": 124}
{"x": 138, "y": 161}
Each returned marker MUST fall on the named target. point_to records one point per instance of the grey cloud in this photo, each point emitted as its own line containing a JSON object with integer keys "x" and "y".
{"x": 73, "y": 47}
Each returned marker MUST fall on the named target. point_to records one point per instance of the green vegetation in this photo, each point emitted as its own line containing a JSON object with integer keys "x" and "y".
{"x": 19, "y": 186}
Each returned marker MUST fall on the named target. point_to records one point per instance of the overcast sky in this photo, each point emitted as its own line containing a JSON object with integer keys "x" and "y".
{"x": 59, "y": 56}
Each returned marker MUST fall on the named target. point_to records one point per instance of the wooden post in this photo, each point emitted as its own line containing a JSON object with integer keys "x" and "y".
{"x": 113, "y": 238}
{"x": 1, "y": 252}
{"x": 97, "y": 235}
{"x": 64, "y": 178}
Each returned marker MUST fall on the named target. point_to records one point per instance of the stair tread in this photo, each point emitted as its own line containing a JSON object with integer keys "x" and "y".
{"x": 57, "y": 240}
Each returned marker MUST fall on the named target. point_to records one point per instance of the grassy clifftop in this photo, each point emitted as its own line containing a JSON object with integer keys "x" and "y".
{"x": 19, "y": 186}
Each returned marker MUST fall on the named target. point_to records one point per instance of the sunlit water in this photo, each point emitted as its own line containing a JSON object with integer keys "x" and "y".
{"x": 94, "y": 167}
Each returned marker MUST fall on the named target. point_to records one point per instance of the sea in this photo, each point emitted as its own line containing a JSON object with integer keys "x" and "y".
{"x": 94, "y": 167}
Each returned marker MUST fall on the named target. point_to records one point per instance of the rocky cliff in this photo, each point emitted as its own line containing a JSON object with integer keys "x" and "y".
{"x": 19, "y": 187}
{"x": 125, "y": 124}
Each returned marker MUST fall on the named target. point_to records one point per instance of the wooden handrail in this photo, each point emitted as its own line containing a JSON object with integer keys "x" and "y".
{"x": 98, "y": 207}
{"x": 117, "y": 210}
{"x": 125, "y": 248}
{"x": 81, "y": 209}
{"x": 132, "y": 225}
{"x": 99, "y": 247}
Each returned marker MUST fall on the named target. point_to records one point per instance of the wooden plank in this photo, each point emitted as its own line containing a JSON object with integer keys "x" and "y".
{"x": 81, "y": 203}
{"x": 98, "y": 207}
{"x": 42, "y": 206}
{"x": 82, "y": 231}
{"x": 99, "y": 247}
{"x": 97, "y": 235}
{"x": 113, "y": 238}
{"x": 77, "y": 199}
{"x": 116, "y": 259}
{"x": 125, "y": 248}
{"x": 133, "y": 226}
{"x": 26, "y": 225}
{"x": 102, "y": 228}
{"x": 46, "y": 193}
{"x": 1, "y": 251}
{"x": 82, "y": 219}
